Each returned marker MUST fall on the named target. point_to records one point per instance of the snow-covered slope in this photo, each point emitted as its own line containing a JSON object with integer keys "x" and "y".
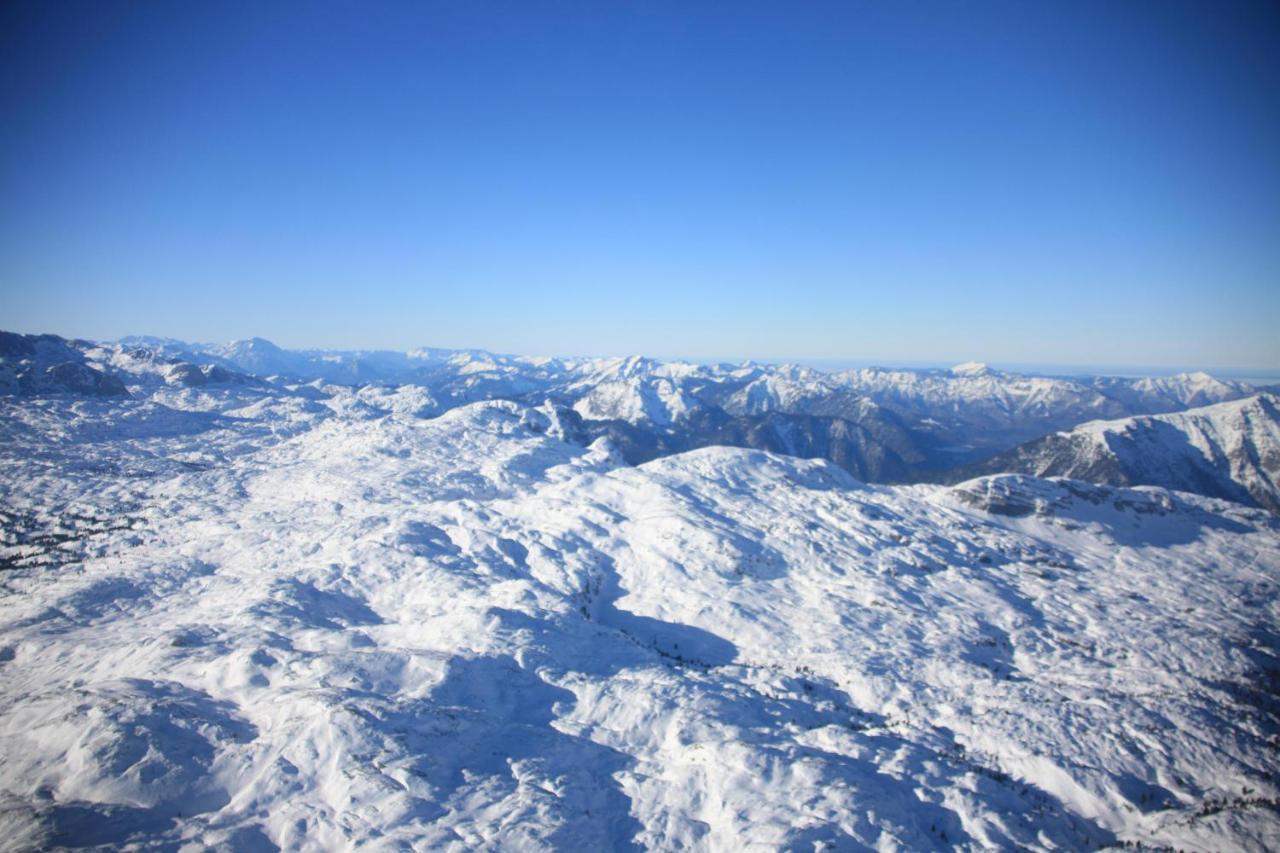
{"x": 1228, "y": 450}
{"x": 309, "y": 617}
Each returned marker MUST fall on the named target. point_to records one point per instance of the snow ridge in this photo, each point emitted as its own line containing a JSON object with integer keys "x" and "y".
{"x": 1228, "y": 450}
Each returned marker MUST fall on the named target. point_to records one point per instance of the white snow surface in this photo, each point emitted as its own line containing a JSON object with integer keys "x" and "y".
{"x": 244, "y": 619}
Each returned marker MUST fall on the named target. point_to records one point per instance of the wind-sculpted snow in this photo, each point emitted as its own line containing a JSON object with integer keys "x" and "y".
{"x": 319, "y": 617}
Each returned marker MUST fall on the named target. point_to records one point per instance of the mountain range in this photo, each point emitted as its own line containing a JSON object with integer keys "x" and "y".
{"x": 881, "y": 425}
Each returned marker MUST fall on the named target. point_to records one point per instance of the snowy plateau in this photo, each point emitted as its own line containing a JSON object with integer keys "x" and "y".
{"x": 259, "y": 599}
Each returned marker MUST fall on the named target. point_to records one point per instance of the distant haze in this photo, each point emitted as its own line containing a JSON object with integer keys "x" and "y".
{"x": 1077, "y": 183}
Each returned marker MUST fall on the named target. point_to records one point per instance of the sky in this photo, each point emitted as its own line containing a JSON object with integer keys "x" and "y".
{"x": 1072, "y": 183}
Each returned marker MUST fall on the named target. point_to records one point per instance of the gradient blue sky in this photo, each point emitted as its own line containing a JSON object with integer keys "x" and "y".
{"x": 1072, "y": 182}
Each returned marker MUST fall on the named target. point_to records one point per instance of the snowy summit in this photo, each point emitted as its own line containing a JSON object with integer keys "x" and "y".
{"x": 970, "y": 368}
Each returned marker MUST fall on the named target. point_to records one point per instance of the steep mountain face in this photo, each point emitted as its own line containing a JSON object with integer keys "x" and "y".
{"x": 1228, "y": 450}
{"x": 875, "y": 447}
{"x": 303, "y": 616}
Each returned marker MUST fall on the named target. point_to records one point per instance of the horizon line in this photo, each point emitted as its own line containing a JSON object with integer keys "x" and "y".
{"x": 825, "y": 363}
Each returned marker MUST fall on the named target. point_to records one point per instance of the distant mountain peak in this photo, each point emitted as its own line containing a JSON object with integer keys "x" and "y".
{"x": 254, "y": 344}
{"x": 971, "y": 368}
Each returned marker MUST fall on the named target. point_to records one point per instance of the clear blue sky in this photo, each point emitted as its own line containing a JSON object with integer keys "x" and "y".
{"x": 1069, "y": 182}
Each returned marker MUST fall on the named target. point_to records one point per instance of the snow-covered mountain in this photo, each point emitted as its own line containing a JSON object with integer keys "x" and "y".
{"x": 305, "y": 616}
{"x": 1228, "y": 450}
{"x": 977, "y": 409}
{"x": 47, "y": 364}
{"x": 1159, "y": 394}
{"x": 881, "y": 425}
{"x": 637, "y": 391}
{"x": 974, "y": 408}
{"x": 39, "y": 365}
